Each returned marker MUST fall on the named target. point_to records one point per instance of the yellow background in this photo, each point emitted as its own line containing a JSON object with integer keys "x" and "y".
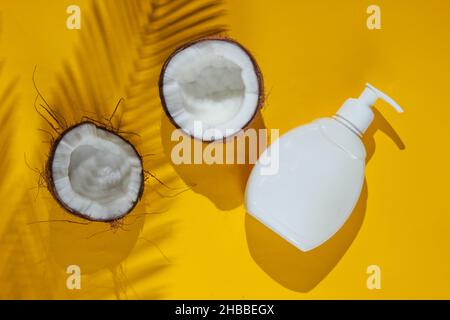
{"x": 314, "y": 55}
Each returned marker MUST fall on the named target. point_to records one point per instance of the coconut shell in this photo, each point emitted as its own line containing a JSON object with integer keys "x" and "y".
{"x": 51, "y": 185}
{"x": 261, "y": 96}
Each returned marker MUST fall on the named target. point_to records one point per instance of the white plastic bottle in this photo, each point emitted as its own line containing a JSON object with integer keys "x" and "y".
{"x": 320, "y": 177}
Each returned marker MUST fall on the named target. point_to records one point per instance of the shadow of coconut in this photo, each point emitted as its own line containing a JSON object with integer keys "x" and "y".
{"x": 92, "y": 246}
{"x": 303, "y": 271}
{"x": 223, "y": 184}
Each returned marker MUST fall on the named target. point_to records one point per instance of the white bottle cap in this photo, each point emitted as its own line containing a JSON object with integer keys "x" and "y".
{"x": 358, "y": 112}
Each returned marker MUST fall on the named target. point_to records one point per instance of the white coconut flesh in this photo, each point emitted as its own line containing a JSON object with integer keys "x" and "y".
{"x": 213, "y": 83}
{"x": 96, "y": 173}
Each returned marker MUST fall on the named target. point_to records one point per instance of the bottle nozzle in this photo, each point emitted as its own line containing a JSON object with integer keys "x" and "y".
{"x": 358, "y": 112}
{"x": 371, "y": 94}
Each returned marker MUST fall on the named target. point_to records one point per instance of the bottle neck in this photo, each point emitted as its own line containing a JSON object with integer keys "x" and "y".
{"x": 356, "y": 115}
{"x": 348, "y": 125}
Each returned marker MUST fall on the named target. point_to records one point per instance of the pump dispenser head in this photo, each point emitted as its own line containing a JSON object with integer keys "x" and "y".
{"x": 358, "y": 112}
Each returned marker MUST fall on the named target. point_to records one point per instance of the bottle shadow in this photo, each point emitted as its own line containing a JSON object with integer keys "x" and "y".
{"x": 223, "y": 184}
{"x": 303, "y": 271}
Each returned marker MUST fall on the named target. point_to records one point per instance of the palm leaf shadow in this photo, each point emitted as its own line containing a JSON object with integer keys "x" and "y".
{"x": 17, "y": 245}
{"x": 10, "y": 241}
{"x": 122, "y": 47}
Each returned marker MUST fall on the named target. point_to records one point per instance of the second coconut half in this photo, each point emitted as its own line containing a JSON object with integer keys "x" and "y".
{"x": 214, "y": 82}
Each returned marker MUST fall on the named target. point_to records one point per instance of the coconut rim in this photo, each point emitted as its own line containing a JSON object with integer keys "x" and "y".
{"x": 257, "y": 70}
{"x": 51, "y": 185}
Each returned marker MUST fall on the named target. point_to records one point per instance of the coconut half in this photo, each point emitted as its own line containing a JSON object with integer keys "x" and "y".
{"x": 95, "y": 173}
{"x": 214, "y": 82}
